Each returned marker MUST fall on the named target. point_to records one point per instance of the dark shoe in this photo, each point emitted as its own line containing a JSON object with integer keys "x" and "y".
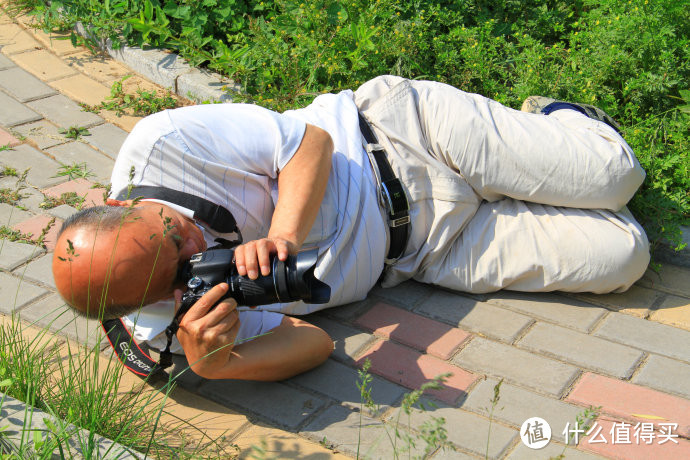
{"x": 545, "y": 105}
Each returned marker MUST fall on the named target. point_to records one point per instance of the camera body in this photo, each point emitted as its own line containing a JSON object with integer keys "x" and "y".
{"x": 288, "y": 281}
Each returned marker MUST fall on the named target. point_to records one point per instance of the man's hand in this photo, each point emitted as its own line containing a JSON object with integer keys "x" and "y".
{"x": 255, "y": 255}
{"x": 208, "y": 335}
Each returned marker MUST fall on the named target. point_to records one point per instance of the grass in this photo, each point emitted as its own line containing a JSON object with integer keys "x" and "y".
{"x": 141, "y": 103}
{"x": 74, "y": 132}
{"x": 68, "y": 198}
{"x": 74, "y": 171}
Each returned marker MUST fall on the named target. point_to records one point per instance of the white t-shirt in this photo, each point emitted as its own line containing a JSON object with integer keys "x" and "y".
{"x": 231, "y": 154}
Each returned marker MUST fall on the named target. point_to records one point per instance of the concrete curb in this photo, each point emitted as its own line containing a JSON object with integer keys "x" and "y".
{"x": 170, "y": 71}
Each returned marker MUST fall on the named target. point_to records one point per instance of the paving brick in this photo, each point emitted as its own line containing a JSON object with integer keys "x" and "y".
{"x": 63, "y": 112}
{"x": 450, "y": 454}
{"x": 344, "y": 429}
{"x": 517, "y": 405}
{"x": 347, "y": 312}
{"x": 42, "y": 133}
{"x": 674, "y": 311}
{"x": 266, "y": 442}
{"x": 23, "y": 86}
{"x": 13, "y": 254}
{"x": 551, "y": 451}
{"x": 59, "y": 44}
{"x": 623, "y": 399}
{"x": 82, "y": 187}
{"x": 8, "y": 139}
{"x": 635, "y": 301}
{"x": 40, "y": 270}
{"x": 406, "y": 295}
{"x": 10, "y": 215}
{"x": 517, "y": 366}
{"x": 634, "y": 451}
{"x": 435, "y": 338}
{"x": 107, "y": 138}
{"x": 103, "y": 69}
{"x": 14, "y": 113}
{"x": 473, "y": 315}
{"x": 339, "y": 382}
{"x": 555, "y": 308}
{"x": 125, "y": 122}
{"x": 469, "y": 431}
{"x": 665, "y": 374}
{"x": 82, "y": 89}
{"x": 348, "y": 342}
{"x": 13, "y": 39}
{"x": 78, "y": 152}
{"x": 411, "y": 369}
{"x": 5, "y": 63}
{"x": 285, "y": 406}
{"x": 41, "y": 168}
{"x": 16, "y": 293}
{"x": 646, "y": 335}
{"x": 581, "y": 349}
{"x": 671, "y": 278}
{"x": 35, "y": 226}
{"x": 63, "y": 212}
{"x": 43, "y": 64}
{"x": 52, "y": 312}
{"x": 31, "y": 199}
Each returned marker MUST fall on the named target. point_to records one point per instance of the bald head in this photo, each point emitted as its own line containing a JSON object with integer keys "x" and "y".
{"x": 110, "y": 260}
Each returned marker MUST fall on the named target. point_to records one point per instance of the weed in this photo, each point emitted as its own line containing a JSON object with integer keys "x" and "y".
{"x": 494, "y": 402}
{"x": 8, "y": 172}
{"x": 5, "y": 147}
{"x": 74, "y": 171}
{"x": 74, "y": 132}
{"x": 11, "y": 234}
{"x": 140, "y": 104}
{"x": 13, "y": 196}
{"x": 68, "y": 198}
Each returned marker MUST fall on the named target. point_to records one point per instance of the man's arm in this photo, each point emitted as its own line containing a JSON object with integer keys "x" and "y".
{"x": 207, "y": 336}
{"x": 301, "y": 187}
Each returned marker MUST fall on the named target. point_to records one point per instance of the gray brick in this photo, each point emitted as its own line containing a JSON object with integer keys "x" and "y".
{"x": 448, "y": 454}
{"x": 473, "y": 315}
{"x": 348, "y": 341}
{"x": 107, "y": 138}
{"x": 551, "y": 307}
{"x": 156, "y": 65}
{"x": 39, "y": 270}
{"x": 581, "y": 349}
{"x": 43, "y": 133}
{"x": 339, "y": 382}
{"x": 342, "y": 428}
{"x": 666, "y": 375}
{"x": 63, "y": 112}
{"x": 517, "y": 405}
{"x": 52, "y": 312}
{"x": 405, "y": 295}
{"x": 78, "y": 152}
{"x": 32, "y": 198}
{"x": 637, "y": 298}
{"x": 23, "y": 86}
{"x": 13, "y": 254}
{"x": 552, "y": 450}
{"x": 349, "y": 311}
{"x": 285, "y": 406}
{"x": 517, "y": 366}
{"x": 646, "y": 335}
{"x": 5, "y": 63}
{"x": 468, "y": 431}
{"x": 64, "y": 211}
{"x": 15, "y": 113}
{"x": 202, "y": 85}
{"x": 11, "y": 215}
{"x": 15, "y": 293}
{"x": 42, "y": 168}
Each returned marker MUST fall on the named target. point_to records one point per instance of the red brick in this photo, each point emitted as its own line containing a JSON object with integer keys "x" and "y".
{"x": 411, "y": 369}
{"x": 623, "y": 399}
{"x": 82, "y": 187}
{"x": 424, "y": 334}
{"x": 8, "y": 139}
{"x": 35, "y": 227}
{"x": 637, "y": 449}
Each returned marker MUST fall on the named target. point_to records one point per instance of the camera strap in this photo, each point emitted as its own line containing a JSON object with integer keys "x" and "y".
{"x": 120, "y": 338}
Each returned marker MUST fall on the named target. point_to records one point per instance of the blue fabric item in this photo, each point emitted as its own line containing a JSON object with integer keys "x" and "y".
{"x": 562, "y": 105}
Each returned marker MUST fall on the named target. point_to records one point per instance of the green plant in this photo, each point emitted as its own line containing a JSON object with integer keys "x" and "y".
{"x": 494, "y": 402}
{"x": 10, "y": 234}
{"x": 68, "y": 198}
{"x": 12, "y": 196}
{"x": 74, "y": 132}
{"x": 583, "y": 422}
{"x": 74, "y": 171}
{"x": 5, "y": 147}
{"x": 140, "y": 104}
{"x": 8, "y": 171}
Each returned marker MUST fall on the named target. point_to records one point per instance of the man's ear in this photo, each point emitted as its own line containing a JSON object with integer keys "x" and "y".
{"x": 114, "y": 202}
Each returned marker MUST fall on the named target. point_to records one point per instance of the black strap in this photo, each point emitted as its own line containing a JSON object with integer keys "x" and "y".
{"x": 128, "y": 351}
{"x": 393, "y": 194}
{"x": 214, "y": 216}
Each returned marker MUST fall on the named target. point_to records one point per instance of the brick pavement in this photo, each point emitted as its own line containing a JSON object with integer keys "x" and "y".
{"x": 556, "y": 353}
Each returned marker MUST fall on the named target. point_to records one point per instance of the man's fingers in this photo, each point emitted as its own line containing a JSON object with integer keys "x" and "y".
{"x": 263, "y": 253}
{"x": 206, "y": 302}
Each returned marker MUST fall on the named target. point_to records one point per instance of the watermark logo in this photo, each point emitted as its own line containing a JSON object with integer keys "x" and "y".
{"x": 535, "y": 433}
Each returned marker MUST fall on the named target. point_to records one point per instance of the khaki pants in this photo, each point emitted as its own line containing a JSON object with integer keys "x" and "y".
{"x": 502, "y": 199}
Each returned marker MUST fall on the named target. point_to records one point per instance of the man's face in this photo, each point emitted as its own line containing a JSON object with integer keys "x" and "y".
{"x": 120, "y": 266}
